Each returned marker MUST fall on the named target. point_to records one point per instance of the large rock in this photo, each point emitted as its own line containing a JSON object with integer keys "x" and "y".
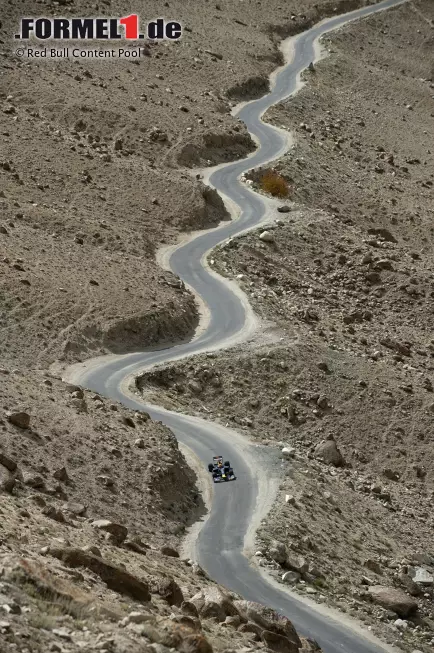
{"x": 116, "y": 579}
{"x": 18, "y": 418}
{"x": 7, "y": 462}
{"x": 310, "y": 645}
{"x": 291, "y": 577}
{"x": 179, "y": 636}
{"x": 7, "y": 480}
{"x": 267, "y": 237}
{"x": 297, "y": 563}
{"x": 393, "y": 599}
{"x": 77, "y": 509}
{"x": 277, "y": 552}
{"x": 168, "y": 589}
{"x": 250, "y": 627}
{"x": 279, "y": 643}
{"x": 409, "y": 585}
{"x": 169, "y": 551}
{"x": 33, "y": 480}
{"x": 422, "y": 576}
{"x": 328, "y": 451}
{"x": 214, "y": 602}
{"x": 268, "y": 620}
{"x": 117, "y": 532}
{"x": 188, "y": 608}
{"x": 61, "y": 474}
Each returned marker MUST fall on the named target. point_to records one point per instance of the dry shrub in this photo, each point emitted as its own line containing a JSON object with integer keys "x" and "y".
{"x": 273, "y": 183}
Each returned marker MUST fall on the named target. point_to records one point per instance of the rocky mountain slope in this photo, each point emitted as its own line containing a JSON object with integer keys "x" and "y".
{"x": 343, "y": 282}
{"x": 95, "y": 174}
{"x": 95, "y": 170}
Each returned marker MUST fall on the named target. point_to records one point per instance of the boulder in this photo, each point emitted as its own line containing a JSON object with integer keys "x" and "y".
{"x": 291, "y": 577}
{"x": 393, "y": 599}
{"x": 250, "y": 627}
{"x": 169, "y": 551}
{"x": 195, "y": 387}
{"x": 278, "y": 643}
{"x": 77, "y": 509}
{"x": 173, "y": 635}
{"x": 409, "y": 585}
{"x": 277, "y": 552}
{"x": 297, "y": 563}
{"x": 7, "y": 480}
{"x": 188, "y": 608}
{"x": 117, "y": 532}
{"x": 234, "y": 621}
{"x": 168, "y": 589}
{"x": 33, "y": 480}
{"x": 7, "y": 462}
{"x": 91, "y": 548}
{"x": 267, "y": 237}
{"x": 422, "y": 576}
{"x": 214, "y": 602}
{"x": 383, "y": 233}
{"x": 284, "y": 209}
{"x": 61, "y": 474}
{"x": 137, "y": 618}
{"x": 391, "y": 474}
{"x": 53, "y": 513}
{"x": 309, "y": 646}
{"x": 18, "y": 418}
{"x": 136, "y": 544}
{"x": 373, "y": 565}
{"x": 288, "y": 452}
{"x": 328, "y": 451}
{"x": 268, "y": 619}
{"x": 116, "y": 579}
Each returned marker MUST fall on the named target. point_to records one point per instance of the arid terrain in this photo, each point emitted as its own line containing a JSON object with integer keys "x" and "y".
{"x": 97, "y": 172}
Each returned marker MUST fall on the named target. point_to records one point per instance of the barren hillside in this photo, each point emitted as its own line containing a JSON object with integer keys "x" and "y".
{"x": 343, "y": 283}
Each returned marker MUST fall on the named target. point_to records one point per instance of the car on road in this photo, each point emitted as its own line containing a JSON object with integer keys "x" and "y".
{"x": 221, "y": 471}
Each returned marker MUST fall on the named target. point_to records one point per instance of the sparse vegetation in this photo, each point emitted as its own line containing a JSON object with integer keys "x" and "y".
{"x": 274, "y": 183}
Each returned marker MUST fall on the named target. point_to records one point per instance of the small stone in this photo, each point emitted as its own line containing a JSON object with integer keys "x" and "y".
{"x": 288, "y": 452}
{"x": 267, "y": 237}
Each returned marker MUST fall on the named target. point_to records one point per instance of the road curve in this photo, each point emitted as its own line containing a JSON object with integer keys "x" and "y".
{"x": 221, "y": 541}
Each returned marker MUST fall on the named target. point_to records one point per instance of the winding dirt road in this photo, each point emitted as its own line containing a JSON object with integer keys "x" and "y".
{"x": 228, "y": 319}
